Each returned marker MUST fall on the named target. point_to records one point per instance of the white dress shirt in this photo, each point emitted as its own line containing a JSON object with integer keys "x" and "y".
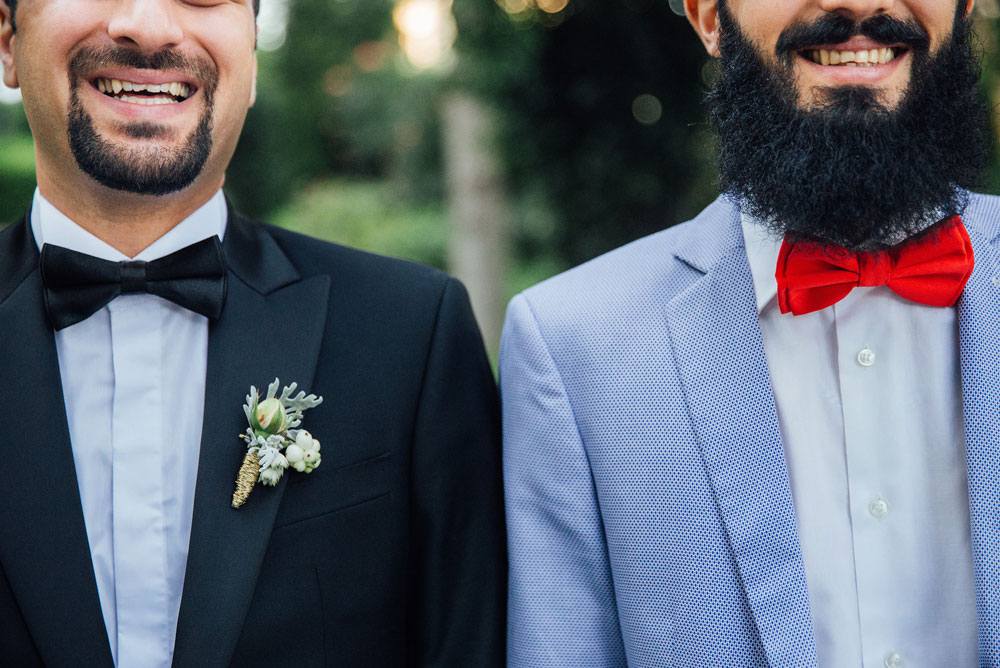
{"x": 133, "y": 379}
{"x": 869, "y": 402}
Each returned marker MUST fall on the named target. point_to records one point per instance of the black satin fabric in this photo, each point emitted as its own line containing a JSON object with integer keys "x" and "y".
{"x": 77, "y": 284}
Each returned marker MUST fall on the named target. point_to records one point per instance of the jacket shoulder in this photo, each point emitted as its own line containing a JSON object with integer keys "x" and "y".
{"x": 19, "y": 256}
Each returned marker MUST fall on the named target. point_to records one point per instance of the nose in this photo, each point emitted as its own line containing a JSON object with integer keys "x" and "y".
{"x": 149, "y": 25}
{"x": 856, "y": 10}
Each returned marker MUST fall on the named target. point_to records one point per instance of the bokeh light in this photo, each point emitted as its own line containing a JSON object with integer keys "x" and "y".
{"x": 521, "y": 9}
{"x": 552, "y": 6}
{"x": 647, "y": 109}
{"x": 427, "y": 31}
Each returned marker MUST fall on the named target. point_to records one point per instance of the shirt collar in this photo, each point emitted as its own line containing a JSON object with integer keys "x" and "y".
{"x": 51, "y": 226}
{"x": 762, "y": 248}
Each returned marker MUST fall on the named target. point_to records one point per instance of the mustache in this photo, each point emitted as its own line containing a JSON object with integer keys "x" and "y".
{"x": 88, "y": 60}
{"x": 834, "y": 28}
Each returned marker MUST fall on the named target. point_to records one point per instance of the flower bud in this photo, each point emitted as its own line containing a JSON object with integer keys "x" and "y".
{"x": 299, "y": 466}
{"x": 271, "y": 418}
{"x": 294, "y": 453}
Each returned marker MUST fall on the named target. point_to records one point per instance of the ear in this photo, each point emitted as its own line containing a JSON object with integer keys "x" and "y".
{"x": 704, "y": 18}
{"x": 969, "y": 6}
{"x": 7, "y": 38}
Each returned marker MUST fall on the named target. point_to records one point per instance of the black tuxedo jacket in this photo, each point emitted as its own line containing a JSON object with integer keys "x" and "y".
{"x": 389, "y": 554}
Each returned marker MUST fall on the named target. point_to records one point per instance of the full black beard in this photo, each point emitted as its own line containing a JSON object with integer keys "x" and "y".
{"x": 138, "y": 169}
{"x": 850, "y": 171}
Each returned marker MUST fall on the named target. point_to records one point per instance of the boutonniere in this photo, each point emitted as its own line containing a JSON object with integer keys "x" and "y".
{"x": 274, "y": 423}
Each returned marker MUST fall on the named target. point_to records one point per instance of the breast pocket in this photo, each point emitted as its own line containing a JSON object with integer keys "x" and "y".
{"x": 329, "y": 490}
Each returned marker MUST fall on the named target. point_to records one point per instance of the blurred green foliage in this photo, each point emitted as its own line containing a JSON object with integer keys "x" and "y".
{"x": 17, "y": 164}
{"x": 343, "y": 211}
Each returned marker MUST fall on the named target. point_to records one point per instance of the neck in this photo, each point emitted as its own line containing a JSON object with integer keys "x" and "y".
{"x": 127, "y": 222}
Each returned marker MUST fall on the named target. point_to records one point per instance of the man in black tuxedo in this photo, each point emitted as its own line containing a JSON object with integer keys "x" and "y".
{"x": 119, "y": 542}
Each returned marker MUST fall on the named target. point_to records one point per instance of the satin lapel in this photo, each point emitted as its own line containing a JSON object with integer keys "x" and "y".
{"x": 272, "y": 326}
{"x": 45, "y": 551}
{"x": 720, "y": 357}
{"x": 979, "y": 341}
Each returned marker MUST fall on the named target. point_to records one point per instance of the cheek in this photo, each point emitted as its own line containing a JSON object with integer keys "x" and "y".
{"x": 233, "y": 96}
{"x": 762, "y": 22}
{"x": 44, "y": 89}
{"x": 937, "y": 17}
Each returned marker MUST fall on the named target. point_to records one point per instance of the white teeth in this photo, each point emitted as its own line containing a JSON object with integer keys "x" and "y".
{"x": 116, "y": 86}
{"x": 866, "y": 57}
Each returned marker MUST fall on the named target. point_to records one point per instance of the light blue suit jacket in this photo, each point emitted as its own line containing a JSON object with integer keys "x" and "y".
{"x": 649, "y": 509}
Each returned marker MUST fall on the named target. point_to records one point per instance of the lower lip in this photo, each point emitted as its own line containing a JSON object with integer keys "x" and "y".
{"x": 145, "y": 112}
{"x": 860, "y": 74}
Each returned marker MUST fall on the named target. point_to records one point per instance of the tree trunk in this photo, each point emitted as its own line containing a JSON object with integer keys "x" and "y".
{"x": 478, "y": 207}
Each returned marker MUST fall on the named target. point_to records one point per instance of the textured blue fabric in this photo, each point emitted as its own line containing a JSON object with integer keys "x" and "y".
{"x": 650, "y": 515}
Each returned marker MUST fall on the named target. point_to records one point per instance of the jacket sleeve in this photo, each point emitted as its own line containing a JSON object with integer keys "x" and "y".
{"x": 459, "y": 561}
{"x": 561, "y": 603}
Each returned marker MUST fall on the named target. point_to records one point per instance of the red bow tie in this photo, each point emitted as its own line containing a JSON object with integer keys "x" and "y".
{"x": 932, "y": 268}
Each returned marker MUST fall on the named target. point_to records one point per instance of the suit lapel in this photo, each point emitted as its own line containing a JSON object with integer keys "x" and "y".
{"x": 272, "y": 326}
{"x": 41, "y": 515}
{"x": 720, "y": 357}
{"x": 979, "y": 342}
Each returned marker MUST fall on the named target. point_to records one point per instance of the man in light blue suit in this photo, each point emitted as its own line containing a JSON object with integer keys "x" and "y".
{"x": 770, "y": 436}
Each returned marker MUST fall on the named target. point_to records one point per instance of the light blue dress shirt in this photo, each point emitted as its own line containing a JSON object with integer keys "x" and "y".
{"x": 869, "y": 402}
{"x": 133, "y": 379}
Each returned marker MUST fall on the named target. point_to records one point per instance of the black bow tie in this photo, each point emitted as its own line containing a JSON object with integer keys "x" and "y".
{"x": 77, "y": 285}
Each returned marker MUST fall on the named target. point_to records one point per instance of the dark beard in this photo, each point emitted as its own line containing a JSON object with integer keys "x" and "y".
{"x": 138, "y": 169}
{"x": 850, "y": 171}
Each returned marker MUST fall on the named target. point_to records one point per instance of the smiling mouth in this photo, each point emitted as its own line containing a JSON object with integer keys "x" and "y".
{"x": 862, "y": 58}
{"x": 139, "y": 93}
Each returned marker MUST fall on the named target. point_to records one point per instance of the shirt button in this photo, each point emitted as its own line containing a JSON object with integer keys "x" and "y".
{"x": 879, "y": 508}
{"x": 894, "y": 660}
{"x": 866, "y": 357}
